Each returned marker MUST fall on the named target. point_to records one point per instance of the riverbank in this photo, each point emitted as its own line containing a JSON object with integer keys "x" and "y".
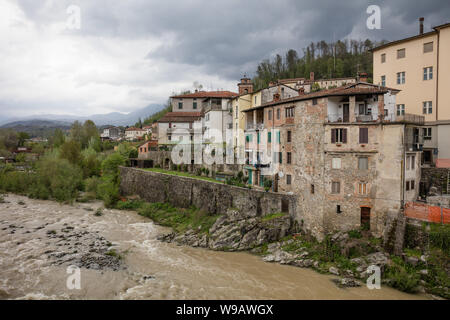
{"x": 149, "y": 268}
{"x": 346, "y": 255}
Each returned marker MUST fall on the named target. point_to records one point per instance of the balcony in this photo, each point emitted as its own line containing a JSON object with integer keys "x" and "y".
{"x": 411, "y": 119}
{"x": 254, "y": 126}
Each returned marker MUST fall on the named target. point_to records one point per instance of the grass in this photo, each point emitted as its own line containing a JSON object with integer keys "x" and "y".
{"x": 273, "y": 216}
{"x": 178, "y": 219}
{"x": 183, "y": 174}
{"x": 113, "y": 253}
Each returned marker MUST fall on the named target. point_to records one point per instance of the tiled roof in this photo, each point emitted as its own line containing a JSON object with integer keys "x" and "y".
{"x": 134, "y": 129}
{"x": 180, "y": 117}
{"x": 208, "y": 94}
{"x": 351, "y": 89}
{"x": 443, "y": 163}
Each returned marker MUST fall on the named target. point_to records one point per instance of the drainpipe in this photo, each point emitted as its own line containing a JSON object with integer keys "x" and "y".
{"x": 402, "y": 193}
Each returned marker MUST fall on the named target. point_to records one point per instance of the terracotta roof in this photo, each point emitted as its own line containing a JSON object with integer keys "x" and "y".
{"x": 351, "y": 89}
{"x": 180, "y": 117}
{"x": 443, "y": 163}
{"x": 134, "y": 129}
{"x": 208, "y": 94}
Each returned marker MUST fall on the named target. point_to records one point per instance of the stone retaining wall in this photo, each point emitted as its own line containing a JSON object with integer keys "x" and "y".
{"x": 214, "y": 198}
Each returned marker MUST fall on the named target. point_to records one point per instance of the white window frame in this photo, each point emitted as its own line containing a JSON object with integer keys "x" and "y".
{"x": 428, "y": 73}
{"x": 336, "y": 163}
{"x": 427, "y": 107}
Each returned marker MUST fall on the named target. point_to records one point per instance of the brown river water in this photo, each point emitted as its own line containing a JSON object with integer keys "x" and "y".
{"x": 39, "y": 239}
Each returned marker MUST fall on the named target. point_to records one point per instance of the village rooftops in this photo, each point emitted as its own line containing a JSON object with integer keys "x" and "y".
{"x": 348, "y": 90}
{"x": 207, "y": 94}
{"x": 134, "y": 129}
{"x": 181, "y": 117}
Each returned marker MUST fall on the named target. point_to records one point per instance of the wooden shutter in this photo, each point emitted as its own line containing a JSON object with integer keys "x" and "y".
{"x": 344, "y": 135}
{"x": 363, "y": 135}
{"x": 333, "y": 135}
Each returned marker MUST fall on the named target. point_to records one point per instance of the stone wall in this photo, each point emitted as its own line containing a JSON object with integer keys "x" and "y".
{"x": 214, "y": 198}
{"x": 434, "y": 180}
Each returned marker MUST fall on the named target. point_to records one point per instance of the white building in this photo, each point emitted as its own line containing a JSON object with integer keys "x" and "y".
{"x": 134, "y": 133}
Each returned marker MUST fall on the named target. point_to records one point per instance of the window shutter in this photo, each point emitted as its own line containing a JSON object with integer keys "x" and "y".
{"x": 344, "y": 135}
{"x": 363, "y": 135}
{"x": 333, "y": 135}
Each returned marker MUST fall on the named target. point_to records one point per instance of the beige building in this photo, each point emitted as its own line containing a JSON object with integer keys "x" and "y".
{"x": 419, "y": 66}
{"x": 343, "y": 152}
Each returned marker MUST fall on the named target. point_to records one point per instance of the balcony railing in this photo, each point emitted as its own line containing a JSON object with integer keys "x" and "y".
{"x": 411, "y": 118}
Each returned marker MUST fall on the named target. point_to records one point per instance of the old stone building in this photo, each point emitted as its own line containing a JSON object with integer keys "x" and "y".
{"x": 342, "y": 152}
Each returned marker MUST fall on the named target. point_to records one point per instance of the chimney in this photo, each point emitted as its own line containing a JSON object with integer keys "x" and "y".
{"x": 421, "y": 25}
{"x": 276, "y": 97}
{"x": 301, "y": 91}
{"x": 363, "y": 77}
{"x": 311, "y": 76}
{"x": 271, "y": 83}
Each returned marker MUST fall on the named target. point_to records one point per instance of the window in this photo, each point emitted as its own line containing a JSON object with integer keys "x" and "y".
{"x": 314, "y": 102}
{"x": 255, "y": 100}
{"x": 407, "y": 185}
{"x": 270, "y": 115}
{"x": 194, "y": 104}
{"x": 427, "y": 107}
{"x": 288, "y": 179}
{"x": 269, "y": 137}
{"x": 401, "y": 77}
{"x": 236, "y": 116}
{"x": 336, "y": 163}
{"x": 335, "y": 187}
{"x": 279, "y": 136}
{"x": 427, "y": 133}
{"x": 248, "y": 138}
{"x": 383, "y": 81}
{"x": 289, "y": 136}
{"x": 338, "y": 209}
{"x": 289, "y": 157}
{"x": 180, "y": 105}
{"x": 363, "y": 135}
{"x": 410, "y": 162}
{"x": 290, "y": 112}
{"x": 312, "y": 189}
{"x": 280, "y": 157}
{"x": 428, "y": 73}
{"x": 278, "y": 114}
{"x": 338, "y": 135}
{"x": 257, "y": 137}
{"x": 383, "y": 57}
{"x": 400, "y": 109}
{"x": 169, "y": 137}
{"x": 428, "y": 47}
{"x": 363, "y": 163}
{"x": 362, "y": 188}
{"x": 401, "y": 53}
{"x": 412, "y": 184}
{"x": 207, "y": 117}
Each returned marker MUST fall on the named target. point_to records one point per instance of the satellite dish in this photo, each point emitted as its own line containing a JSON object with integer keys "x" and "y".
{"x": 281, "y": 174}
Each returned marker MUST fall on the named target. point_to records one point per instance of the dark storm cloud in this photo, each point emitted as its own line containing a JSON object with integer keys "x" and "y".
{"x": 191, "y": 40}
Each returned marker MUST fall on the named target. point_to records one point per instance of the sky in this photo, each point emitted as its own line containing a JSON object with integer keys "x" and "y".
{"x": 121, "y": 56}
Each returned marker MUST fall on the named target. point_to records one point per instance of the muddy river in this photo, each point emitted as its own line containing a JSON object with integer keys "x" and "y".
{"x": 40, "y": 239}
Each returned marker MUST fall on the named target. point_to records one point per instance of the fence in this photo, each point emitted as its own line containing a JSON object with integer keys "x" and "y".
{"x": 426, "y": 212}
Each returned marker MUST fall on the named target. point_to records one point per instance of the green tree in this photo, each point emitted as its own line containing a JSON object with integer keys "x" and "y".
{"x": 71, "y": 151}
{"x": 22, "y": 136}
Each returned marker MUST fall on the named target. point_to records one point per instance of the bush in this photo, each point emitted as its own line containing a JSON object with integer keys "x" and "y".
{"x": 56, "y": 178}
{"x": 108, "y": 191}
{"x": 15, "y": 181}
{"x": 439, "y": 236}
{"x": 129, "y": 205}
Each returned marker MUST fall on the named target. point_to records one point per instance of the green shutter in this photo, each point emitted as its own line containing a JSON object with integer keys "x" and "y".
{"x": 279, "y": 137}
{"x": 269, "y": 137}
{"x": 281, "y": 157}
{"x": 258, "y": 137}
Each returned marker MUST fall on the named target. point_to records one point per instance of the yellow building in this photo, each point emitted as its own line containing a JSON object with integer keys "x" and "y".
{"x": 419, "y": 66}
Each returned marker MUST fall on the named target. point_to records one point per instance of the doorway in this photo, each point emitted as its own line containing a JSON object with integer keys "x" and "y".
{"x": 346, "y": 111}
{"x": 365, "y": 218}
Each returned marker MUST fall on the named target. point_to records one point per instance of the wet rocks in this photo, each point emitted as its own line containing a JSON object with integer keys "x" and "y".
{"x": 346, "y": 283}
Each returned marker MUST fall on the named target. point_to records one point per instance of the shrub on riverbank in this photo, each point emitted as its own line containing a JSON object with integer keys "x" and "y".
{"x": 178, "y": 219}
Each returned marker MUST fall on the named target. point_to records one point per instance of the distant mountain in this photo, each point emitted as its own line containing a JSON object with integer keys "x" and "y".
{"x": 38, "y": 128}
{"x": 114, "y": 118}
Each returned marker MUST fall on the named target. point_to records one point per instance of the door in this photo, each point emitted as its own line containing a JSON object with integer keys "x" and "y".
{"x": 365, "y": 218}
{"x": 346, "y": 110}
{"x": 250, "y": 176}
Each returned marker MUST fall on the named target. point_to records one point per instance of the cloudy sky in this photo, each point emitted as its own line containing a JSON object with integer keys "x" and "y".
{"x": 128, "y": 54}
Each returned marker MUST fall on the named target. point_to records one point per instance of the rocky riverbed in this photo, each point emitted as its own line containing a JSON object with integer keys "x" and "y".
{"x": 120, "y": 257}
